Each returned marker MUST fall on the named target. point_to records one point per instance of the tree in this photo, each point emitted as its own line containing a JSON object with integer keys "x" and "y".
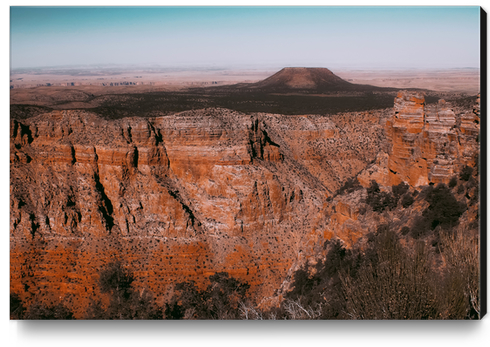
{"x": 465, "y": 173}
{"x": 38, "y": 311}
{"x": 17, "y": 308}
{"x": 444, "y": 209}
{"x": 220, "y": 300}
{"x": 399, "y": 189}
{"x": 394, "y": 286}
{"x": 378, "y": 200}
{"x": 125, "y": 301}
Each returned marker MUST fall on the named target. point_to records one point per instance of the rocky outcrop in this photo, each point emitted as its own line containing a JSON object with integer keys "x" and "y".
{"x": 426, "y": 144}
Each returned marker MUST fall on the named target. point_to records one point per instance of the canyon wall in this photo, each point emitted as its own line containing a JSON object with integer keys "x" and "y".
{"x": 181, "y": 197}
{"x": 175, "y": 198}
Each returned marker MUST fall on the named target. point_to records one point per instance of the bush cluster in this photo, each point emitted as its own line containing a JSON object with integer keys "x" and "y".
{"x": 349, "y": 186}
{"x": 378, "y": 200}
{"x": 387, "y": 281}
{"x": 443, "y": 211}
{"x": 219, "y": 300}
{"x": 466, "y": 173}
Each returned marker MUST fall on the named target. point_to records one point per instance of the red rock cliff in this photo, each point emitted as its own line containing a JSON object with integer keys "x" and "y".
{"x": 426, "y": 143}
{"x": 176, "y": 198}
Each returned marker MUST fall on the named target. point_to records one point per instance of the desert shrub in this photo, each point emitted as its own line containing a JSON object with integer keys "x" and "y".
{"x": 220, "y": 300}
{"x": 465, "y": 173}
{"x": 399, "y": 189}
{"x": 39, "y": 311}
{"x": 476, "y": 159}
{"x": 125, "y": 301}
{"x": 453, "y": 182}
{"x": 396, "y": 286}
{"x": 372, "y": 191}
{"x": 317, "y": 291}
{"x": 407, "y": 200}
{"x": 460, "y": 189}
{"x": 17, "y": 308}
{"x": 444, "y": 209}
{"x": 349, "y": 186}
{"x": 405, "y": 230}
{"x": 96, "y": 311}
{"x": 425, "y": 192}
{"x": 388, "y": 281}
{"x": 461, "y": 298}
{"x": 472, "y": 183}
{"x": 302, "y": 282}
{"x": 420, "y": 227}
{"x": 378, "y": 200}
{"x": 116, "y": 279}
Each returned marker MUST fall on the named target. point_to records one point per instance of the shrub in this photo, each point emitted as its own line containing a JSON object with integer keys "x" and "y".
{"x": 460, "y": 189}
{"x": 321, "y": 287}
{"x": 476, "y": 159}
{"x": 461, "y": 298}
{"x": 425, "y": 192}
{"x": 407, "y": 200}
{"x": 399, "y": 189}
{"x": 379, "y": 201}
{"x": 220, "y": 300}
{"x": 405, "y": 230}
{"x": 17, "y": 308}
{"x": 420, "y": 227}
{"x": 125, "y": 301}
{"x": 39, "y": 311}
{"x": 388, "y": 281}
{"x": 453, "y": 182}
{"x": 351, "y": 185}
{"x": 465, "y": 173}
{"x": 444, "y": 209}
{"x": 397, "y": 286}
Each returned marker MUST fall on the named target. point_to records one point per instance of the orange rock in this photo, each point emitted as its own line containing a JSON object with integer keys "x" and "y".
{"x": 427, "y": 144}
{"x": 176, "y": 198}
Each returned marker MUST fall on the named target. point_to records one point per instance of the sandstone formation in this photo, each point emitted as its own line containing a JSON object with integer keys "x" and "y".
{"x": 423, "y": 144}
{"x": 184, "y": 196}
{"x": 426, "y": 143}
{"x": 176, "y": 198}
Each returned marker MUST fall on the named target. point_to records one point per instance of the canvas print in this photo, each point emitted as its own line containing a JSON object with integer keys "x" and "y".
{"x": 247, "y": 163}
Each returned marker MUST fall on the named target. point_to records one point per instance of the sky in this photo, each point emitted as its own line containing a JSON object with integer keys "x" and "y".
{"x": 347, "y": 37}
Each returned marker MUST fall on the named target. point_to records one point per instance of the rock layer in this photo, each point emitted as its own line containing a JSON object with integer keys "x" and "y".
{"x": 176, "y": 198}
{"x": 426, "y": 144}
{"x": 182, "y": 197}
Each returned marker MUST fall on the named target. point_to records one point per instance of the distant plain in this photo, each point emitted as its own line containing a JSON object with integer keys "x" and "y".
{"x": 449, "y": 80}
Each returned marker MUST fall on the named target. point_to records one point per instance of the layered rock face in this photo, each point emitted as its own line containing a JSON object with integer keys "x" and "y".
{"x": 426, "y": 144}
{"x": 176, "y": 198}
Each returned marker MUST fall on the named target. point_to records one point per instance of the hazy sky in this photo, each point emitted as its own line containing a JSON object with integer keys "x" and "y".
{"x": 355, "y": 37}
